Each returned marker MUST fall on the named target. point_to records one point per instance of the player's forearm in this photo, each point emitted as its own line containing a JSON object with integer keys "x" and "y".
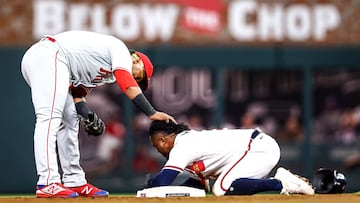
{"x": 201, "y": 184}
{"x": 132, "y": 92}
{"x": 140, "y": 101}
{"x": 163, "y": 178}
{"x": 144, "y": 105}
{"x": 191, "y": 182}
{"x": 78, "y": 99}
{"x": 82, "y": 108}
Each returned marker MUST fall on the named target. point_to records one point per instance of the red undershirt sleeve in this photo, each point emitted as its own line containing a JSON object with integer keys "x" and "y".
{"x": 124, "y": 79}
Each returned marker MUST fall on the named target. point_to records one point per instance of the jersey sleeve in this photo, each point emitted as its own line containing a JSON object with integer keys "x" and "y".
{"x": 124, "y": 79}
{"x": 179, "y": 158}
{"x": 120, "y": 56}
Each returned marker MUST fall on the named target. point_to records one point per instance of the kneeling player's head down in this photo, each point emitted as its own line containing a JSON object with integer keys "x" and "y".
{"x": 162, "y": 135}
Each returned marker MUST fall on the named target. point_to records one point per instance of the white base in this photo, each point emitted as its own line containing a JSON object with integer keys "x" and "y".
{"x": 171, "y": 191}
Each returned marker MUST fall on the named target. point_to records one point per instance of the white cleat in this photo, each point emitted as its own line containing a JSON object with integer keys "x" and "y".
{"x": 292, "y": 183}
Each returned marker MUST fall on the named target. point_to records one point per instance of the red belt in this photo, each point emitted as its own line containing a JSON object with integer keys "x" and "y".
{"x": 50, "y": 39}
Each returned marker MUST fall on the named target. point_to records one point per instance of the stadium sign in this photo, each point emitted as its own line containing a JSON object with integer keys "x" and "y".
{"x": 187, "y": 21}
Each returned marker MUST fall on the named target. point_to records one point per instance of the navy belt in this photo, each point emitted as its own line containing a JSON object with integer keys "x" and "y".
{"x": 255, "y": 134}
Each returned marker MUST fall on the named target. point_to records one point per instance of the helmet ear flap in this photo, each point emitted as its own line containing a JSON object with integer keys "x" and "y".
{"x": 329, "y": 181}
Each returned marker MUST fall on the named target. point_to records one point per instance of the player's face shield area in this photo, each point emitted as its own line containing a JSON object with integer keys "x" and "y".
{"x": 138, "y": 69}
{"x": 162, "y": 143}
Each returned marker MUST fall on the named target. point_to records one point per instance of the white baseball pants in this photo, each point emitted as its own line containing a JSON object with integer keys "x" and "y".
{"x": 56, "y": 129}
{"x": 256, "y": 162}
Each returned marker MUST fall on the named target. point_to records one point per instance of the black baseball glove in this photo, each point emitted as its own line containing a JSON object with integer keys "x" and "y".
{"x": 94, "y": 125}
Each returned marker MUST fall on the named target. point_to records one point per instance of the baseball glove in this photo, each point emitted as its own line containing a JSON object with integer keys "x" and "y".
{"x": 94, "y": 125}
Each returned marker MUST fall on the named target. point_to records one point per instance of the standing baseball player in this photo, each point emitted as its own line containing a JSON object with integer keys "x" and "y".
{"x": 238, "y": 160}
{"x": 61, "y": 70}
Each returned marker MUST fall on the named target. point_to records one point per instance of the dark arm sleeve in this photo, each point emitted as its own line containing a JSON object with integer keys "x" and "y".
{"x": 191, "y": 182}
{"x": 163, "y": 178}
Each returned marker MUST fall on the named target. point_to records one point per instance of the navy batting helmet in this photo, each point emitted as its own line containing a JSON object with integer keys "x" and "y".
{"x": 329, "y": 181}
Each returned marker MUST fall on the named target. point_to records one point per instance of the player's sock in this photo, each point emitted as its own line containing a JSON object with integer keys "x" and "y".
{"x": 40, "y": 186}
{"x": 248, "y": 186}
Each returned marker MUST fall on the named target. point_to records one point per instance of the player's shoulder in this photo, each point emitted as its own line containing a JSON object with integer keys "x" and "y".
{"x": 185, "y": 135}
{"x": 93, "y": 36}
{"x": 218, "y": 131}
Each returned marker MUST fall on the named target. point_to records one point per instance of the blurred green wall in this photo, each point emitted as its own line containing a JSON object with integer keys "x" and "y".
{"x": 17, "y": 168}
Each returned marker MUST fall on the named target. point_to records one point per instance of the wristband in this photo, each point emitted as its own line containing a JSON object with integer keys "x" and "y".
{"x": 143, "y": 104}
{"x": 82, "y": 109}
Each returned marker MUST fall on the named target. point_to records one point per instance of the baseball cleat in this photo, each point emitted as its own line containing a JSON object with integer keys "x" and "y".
{"x": 54, "y": 190}
{"x": 89, "y": 190}
{"x": 293, "y": 183}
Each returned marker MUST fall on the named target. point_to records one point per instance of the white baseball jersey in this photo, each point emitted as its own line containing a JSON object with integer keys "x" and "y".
{"x": 225, "y": 155}
{"x": 92, "y": 57}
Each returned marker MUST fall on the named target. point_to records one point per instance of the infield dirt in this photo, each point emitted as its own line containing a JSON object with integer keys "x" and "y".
{"x": 339, "y": 198}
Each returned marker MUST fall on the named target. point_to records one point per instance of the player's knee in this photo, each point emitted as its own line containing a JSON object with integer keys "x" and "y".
{"x": 217, "y": 191}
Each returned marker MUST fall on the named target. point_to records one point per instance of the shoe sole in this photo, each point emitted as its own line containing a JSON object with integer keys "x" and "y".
{"x": 45, "y": 195}
{"x": 94, "y": 195}
{"x": 55, "y": 196}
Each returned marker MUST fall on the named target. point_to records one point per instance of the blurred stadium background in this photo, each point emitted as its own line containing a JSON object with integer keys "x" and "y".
{"x": 291, "y": 67}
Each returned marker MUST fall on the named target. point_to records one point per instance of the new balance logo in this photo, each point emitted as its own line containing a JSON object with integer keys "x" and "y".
{"x": 52, "y": 189}
{"x": 86, "y": 190}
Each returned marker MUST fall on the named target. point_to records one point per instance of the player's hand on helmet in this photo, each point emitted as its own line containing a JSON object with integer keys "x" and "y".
{"x": 94, "y": 125}
{"x": 162, "y": 116}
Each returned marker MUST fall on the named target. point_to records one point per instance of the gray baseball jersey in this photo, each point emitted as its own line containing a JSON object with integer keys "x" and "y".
{"x": 49, "y": 67}
{"x": 92, "y": 57}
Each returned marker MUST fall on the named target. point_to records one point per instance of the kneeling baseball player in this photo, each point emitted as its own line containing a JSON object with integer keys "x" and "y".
{"x": 237, "y": 159}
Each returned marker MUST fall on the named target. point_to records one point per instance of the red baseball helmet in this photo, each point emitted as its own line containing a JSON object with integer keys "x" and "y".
{"x": 144, "y": 83}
